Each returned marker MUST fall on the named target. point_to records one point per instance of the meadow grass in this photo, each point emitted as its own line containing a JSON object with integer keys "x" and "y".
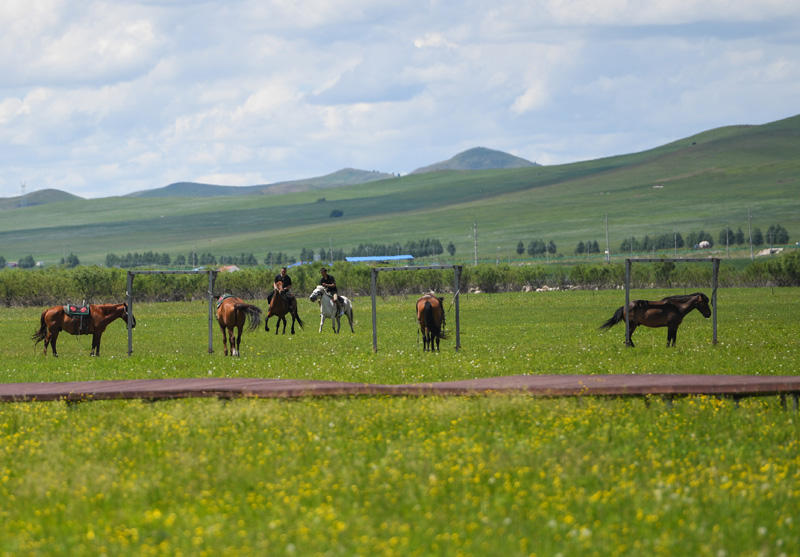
{"x": 408, "y": 476}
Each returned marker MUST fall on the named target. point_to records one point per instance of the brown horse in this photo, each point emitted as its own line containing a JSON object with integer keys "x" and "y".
{"x": 280, "y": 306}
{"x": 430, "y": 316}
{"x": 55, "y": 320}
{"x": 232, "y": 313}
{"x": 667, "y": 312}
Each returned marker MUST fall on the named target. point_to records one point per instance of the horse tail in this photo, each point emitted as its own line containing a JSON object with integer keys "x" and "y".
{"x": 41, "y": 333}
{"x": 431, "y": 324}
{"x": 619, "y": 315}
{"x": 253, "y": 314}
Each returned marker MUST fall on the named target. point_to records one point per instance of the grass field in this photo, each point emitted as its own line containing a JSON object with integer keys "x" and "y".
{"x": 405, "y": 476}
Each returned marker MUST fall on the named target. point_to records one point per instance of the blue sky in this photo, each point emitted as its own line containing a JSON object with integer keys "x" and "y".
{"x": 103, "y": 98}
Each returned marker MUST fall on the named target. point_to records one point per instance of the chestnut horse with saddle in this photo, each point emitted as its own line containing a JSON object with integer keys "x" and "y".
{"x": 79, "y": 320}
{"x": 430, "y": 316}
{"x": 232, "y": 313}
{"x": 667, "y": 312}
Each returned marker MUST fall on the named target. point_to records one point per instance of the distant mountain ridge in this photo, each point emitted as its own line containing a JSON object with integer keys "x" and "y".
{"x": 344, "y": 177}
{"x": 478, "y": 158}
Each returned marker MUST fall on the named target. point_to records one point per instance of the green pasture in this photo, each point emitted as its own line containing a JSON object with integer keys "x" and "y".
{"x": 501, "y": 475}
{"x": 501, "y": 334}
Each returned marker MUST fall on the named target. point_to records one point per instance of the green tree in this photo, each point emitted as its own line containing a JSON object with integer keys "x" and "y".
{"x": 26, "y": 262}
{"x": 451, "y": 249}
{"x": 726, "y": 237}
{"x": 520, "y": 248}
{"x": 758, "y": 237}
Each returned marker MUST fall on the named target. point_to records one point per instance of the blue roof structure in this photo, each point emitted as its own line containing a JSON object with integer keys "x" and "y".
{"x": 378, "y": 258}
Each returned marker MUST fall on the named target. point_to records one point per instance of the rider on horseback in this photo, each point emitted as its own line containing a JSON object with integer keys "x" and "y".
{"x": 282, "y": 285}
{"x": 330, "y": 287}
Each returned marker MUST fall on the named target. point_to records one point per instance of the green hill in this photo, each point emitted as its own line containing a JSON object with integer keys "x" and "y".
{"x": 479, "y": 158}
{"x": 40, "y": 197}
{"x": 704, "y": 182}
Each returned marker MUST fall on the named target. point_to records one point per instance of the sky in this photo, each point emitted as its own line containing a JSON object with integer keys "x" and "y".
{"x": 105, "y": 98}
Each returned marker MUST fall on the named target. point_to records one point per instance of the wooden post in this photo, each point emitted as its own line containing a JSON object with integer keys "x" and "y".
{"x": 457, "y": 296}
{"x": 374, "y": 280}
{"x": 212, "y": 277}
{"x": 627, "y": 300}
{"x": 129, "y": 300}
{"x": 714, "y": 280}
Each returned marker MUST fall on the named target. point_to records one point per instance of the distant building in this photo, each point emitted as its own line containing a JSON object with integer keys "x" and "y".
{"x": 379, "y": 258}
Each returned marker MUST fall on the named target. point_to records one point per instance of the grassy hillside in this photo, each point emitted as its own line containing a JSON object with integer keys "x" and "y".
{"x": 707, "y": 181}
{"x": 40, "y": 197}
{"x": 479, "y": 158}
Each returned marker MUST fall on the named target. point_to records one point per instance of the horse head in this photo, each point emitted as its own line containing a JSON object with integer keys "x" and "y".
{"x": 702, "y": 304}
{"x": 316, "y": 293}
{"x": 126, "y": 315}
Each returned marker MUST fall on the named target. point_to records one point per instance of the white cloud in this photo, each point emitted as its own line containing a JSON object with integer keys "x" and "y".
{"x": 108, "y": 97}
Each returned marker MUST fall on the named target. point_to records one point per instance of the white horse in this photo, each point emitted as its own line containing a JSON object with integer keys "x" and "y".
{"x": 328, "y": 309}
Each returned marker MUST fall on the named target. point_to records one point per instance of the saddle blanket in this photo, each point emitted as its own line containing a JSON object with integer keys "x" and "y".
{"x": 74, "y": 310}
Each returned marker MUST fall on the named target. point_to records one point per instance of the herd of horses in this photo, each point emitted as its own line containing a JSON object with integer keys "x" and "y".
{"x": 233, "y": 314}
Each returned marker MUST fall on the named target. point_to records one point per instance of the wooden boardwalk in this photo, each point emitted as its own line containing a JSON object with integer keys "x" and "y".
{"x": 735, "y": 386}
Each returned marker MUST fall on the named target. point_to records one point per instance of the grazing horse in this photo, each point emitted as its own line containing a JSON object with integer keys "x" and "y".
{"x": 279, "y": 307}
{"x": 232, "y": 313}
{"x": 327, "y": 308}
{"x": 55, "y": 320}
{"x": 430, "y": 316}
{"x": 667, "y": 312}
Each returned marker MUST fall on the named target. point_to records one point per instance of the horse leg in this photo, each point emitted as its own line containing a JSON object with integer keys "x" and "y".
{"x": 266, "y": 322}
{"x": 224, "y": 338}
{"x": 629, "y": 342}
{"x": 51, "y": 340}
{"x": 337, "y": 323}
{"x": 349, "y": 314}
{"x": 95, "y": 344}
{"x": 321, "y": 321}
{"x": 238, "y": 340}
{"x": 671, "y": 335}
{"x": 293, "y": 322}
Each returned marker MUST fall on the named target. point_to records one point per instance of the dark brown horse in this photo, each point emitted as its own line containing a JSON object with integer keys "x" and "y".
{"x": 232, "y": 313}
{"x": 667, "y": 312}
{"x": 55, "y": 320}
{"x": 430, "y": 316}
{"x": 280, "y": 306}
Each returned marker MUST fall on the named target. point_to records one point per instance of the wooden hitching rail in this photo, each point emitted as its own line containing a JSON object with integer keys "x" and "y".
{"x": 735, "y": 386}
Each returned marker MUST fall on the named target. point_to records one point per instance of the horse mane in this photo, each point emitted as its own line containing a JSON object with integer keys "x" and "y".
{"x": 681, "y": 298}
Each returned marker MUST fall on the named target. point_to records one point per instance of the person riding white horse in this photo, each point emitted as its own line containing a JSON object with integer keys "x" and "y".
{"x": 327, "y": 308}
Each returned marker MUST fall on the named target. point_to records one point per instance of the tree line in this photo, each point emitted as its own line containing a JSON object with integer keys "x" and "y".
{"x": 51, "y": 286}
{"x": 776, "y": 234}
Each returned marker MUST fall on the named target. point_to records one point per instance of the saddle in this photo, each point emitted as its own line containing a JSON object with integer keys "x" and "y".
{"x": 222, "y": 298}
{"x": 78, "y": 314}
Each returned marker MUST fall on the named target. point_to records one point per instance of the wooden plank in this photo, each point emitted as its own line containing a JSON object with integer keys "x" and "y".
{"x": 534, "y": 385}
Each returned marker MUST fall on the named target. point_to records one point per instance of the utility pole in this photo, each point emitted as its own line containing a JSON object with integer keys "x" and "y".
{"x": 750, "y": 233}
{"x": 475, "y": 236}
{"x": 608, "y": 246}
